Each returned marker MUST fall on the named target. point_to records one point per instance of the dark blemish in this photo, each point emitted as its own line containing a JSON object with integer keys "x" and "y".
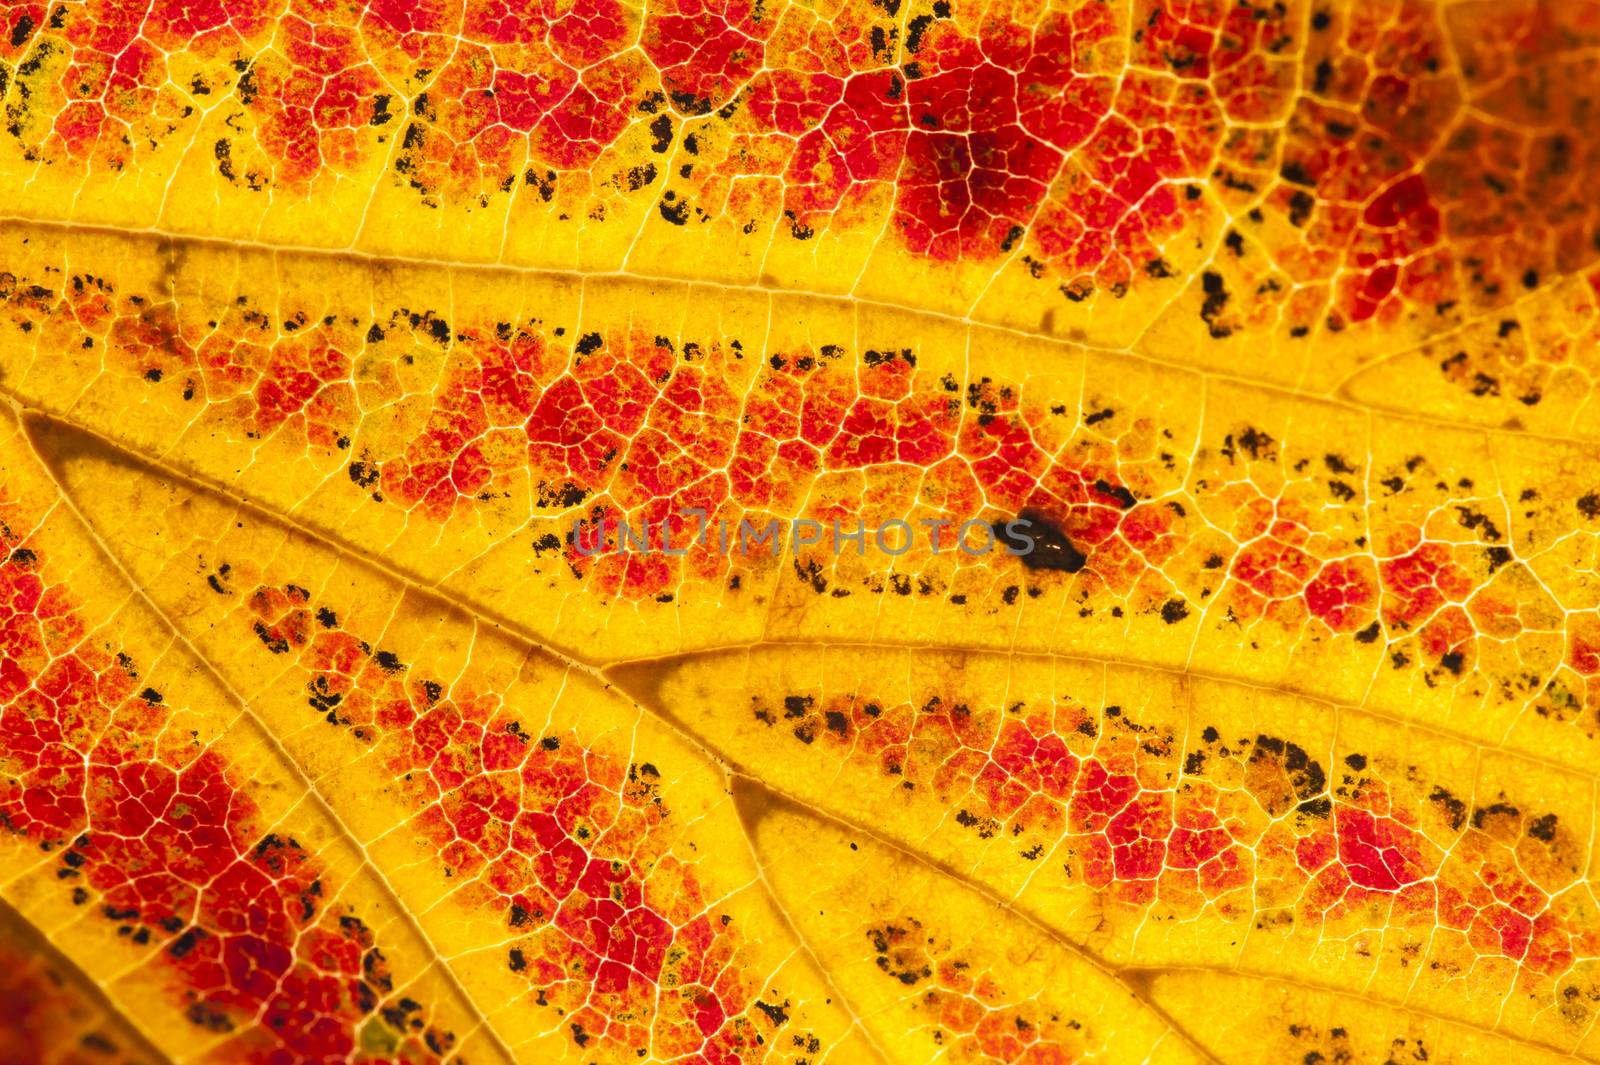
{"x": 640, "y": 176}
{"x": 1295, "y": 173}
{"x": 776, "y": 1014}
{"x": 1124, "y": 498}
{"x": 223, "y": 151}
{"x": 1052, "y": 550}
{"x": 1174, "y": 611}
{"x": 21, "y": 31}
{"x": 1216, "y": 298}
{"x": 1495, "y": 810}
{"x": 374, "y": 335}
{"x": 364, "y": 474}
{"x": 151, "y": 696}
{"x": 837, "y": 722}
{"x": 1589, "y": 506}
{"x": 388, "y": 661}
{"x": 676, "y": 213}
{"x": 1543, "y": 828}
{"x": 1453, "y": 808}
{"x": 550, "y": 743}
{"x": 1098, "y": 416}
{"x": 1453, "y": 662}
{"x": 327, "y": 618}
{"x": 517, "y": 962}
{"x": 1530, "y": 278}
{"x": 186, "y": 943}
{"x": 206, "y": 1017}
{"x": 276, "y": 644}
{"x": 1195, "y": 763}
{"x": 1316, "y": 807}
{"x": 1324, "y": 74}
{"x": 1357, "y": 762}
{"x": 1300, "y": 207}
{"x": 1369, "y": 634}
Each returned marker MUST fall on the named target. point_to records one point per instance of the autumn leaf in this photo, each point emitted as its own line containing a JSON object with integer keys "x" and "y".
{"x": 725, "y": 532}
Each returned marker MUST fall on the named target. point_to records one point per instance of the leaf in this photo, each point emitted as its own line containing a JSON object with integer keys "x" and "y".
{"x": 393, "y": 668}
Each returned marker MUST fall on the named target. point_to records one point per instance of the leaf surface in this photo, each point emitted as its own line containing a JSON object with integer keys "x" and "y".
{"x": 504, "y": 524}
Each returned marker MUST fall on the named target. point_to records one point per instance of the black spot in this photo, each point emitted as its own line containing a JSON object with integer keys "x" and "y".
{"x": 1052, "y": 550}
{"x": 1301, "y": 205}
{"x": 776, "y": 1014}
{"x": 185, "y": 943}
{"x": 1498, "y": 809}
{"x": 1543, "y": 828}
{"x": 517, "y": 961}
{"x": 640, "y": 176}
{"x": 276, "y": 644}
{"x": 1174, "y": 611}
{"x": 1453, "y": 808}
{"x": 364, "y": 474}
{"x": 1369, "y": 634}
{"x": 1357, "y": 762}
{"x": 21, "y": 31}
{"x": 1124, "y": 498}
{"x": 1216, "y": 298}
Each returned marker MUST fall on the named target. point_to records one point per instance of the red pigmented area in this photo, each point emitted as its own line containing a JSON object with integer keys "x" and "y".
{"x": 967, "y": 1004}
{"x": 1082, "y": 142}
{"x": 572, "y": 846}
{"x": 1094, "y": 798}
{"x": 159, "y": 839}
{"x": 706, "y": 50}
